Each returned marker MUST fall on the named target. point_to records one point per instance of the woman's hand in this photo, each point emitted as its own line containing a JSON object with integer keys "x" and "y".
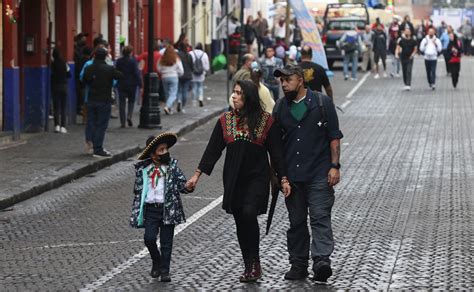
{"x": 286, "y": 189}
{"x": 192, "y": 183}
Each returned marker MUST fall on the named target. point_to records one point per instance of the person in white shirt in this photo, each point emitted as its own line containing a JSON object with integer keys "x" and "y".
{"x": 170, "y": 68}
{"x": 200, "y": 68}
{"x": 431, "y": 47}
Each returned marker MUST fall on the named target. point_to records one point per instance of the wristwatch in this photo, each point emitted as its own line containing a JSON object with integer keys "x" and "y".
{"x": 336, "y": 165}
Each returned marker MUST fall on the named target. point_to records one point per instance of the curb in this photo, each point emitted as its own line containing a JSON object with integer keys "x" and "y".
{"x": 98, "y": 165}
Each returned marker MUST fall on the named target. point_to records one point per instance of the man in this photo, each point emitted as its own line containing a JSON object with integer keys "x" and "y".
{"x": 261, "y": 26}
{"x": 379, "y": 40}
{"x": 406, "y": 51}
{"x": 394, "y": 35}
{"x": 350, "y": 44}
{"x": 431, "y": 47}
{"x": 368, "y": 54}
{"x": 100, "y": 77}
{"x": 245, "y": 70}
{"x": 310, "y": 128}
{"x": 314, "y": 75}
{"x": 269, "y": 64}
{"x": 466, "y": 31}
{"x": 407, "y": 24}
{"x": 79, "y": 46}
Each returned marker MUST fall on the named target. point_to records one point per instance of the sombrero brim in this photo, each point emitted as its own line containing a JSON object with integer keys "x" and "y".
{"x": 169, "y": 138}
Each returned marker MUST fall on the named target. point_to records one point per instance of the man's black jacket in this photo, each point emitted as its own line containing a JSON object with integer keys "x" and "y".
{"x": 99, "y": 76}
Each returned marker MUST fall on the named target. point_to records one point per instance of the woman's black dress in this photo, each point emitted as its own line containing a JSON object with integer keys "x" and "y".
{"x": 246, "y": 166}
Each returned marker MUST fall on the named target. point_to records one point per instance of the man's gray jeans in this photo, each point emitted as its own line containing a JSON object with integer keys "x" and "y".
{"x": 318, "y": 199}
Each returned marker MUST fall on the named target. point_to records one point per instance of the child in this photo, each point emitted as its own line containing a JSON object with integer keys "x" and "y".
{"x": 157, "y": 204}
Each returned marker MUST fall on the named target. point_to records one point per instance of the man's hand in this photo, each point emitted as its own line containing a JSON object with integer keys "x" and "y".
{"x": 333, "y": 177}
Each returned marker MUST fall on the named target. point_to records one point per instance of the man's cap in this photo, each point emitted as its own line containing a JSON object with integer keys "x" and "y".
{"x": 289, "y": 70}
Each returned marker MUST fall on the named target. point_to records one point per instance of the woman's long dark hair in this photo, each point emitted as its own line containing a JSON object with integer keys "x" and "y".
{"x": 252, "y": 110}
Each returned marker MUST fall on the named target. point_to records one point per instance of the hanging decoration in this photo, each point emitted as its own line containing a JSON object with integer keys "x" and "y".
{"x": 11, "y": 13}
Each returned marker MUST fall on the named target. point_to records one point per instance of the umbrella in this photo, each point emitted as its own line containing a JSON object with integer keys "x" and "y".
{"x": 275, "y": 191}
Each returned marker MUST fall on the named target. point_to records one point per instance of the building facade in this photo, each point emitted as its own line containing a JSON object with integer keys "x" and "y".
{"x": 34, "y": 27}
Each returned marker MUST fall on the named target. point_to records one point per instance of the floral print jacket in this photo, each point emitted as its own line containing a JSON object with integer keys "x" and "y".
{"x": 174, "y": 185}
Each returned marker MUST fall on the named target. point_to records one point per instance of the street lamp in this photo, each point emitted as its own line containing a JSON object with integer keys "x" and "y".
{"x": 150, "y": 110}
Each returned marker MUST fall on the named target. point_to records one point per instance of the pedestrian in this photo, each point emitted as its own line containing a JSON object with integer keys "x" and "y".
{"x": 279, "y": 30}
{"x": 157, "y": 204}
{"x": 186, "y": 78}
{"x": 311, "y": 139}
{"x": 86, "y": 56}
{"x": 466, "y": 32}
{"x": 100, "y": 77}
{"x": 431, "y": 47}
{"x": 379, "y": 40}
{"x": 244, "y": 71}
{"x": 60, "y": 72}
{"x": 406, "y": 50}
{"x": 250, "y": 34}
{"x": 350, "y": 45}
{"x": 170, "y": 68}
{"x": 261, "y": 27}
{"x": 234, "y": 50}
{"x": 269, "y": 64}
{"x": 315, "y": 76}
{"x": 79, "y": 46}
{"x": 368, "y": 53}
{"x": 444, "y": 39}
{"x": 441, "y": 29}
{"x": 183, "y": 42}
{"x": 264, "y": 94}
{"x": 455, "y": 51}
{"x": 249, "y": 135}
{"x": 407, "y": 24}
{"x": 394, "y": 34}
{"x": 267, "y": 40}
{"x": 200, "y": 68}
{"x": 127, "y": 86}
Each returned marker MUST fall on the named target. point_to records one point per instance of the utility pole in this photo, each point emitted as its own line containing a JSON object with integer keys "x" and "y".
{"x": 243, "y": 45}
{"x": 150, "y": 110}
{"x": 287, "y": 23}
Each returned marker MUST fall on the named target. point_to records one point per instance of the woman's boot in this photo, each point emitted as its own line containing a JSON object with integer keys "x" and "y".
{"x": 254, "y": 273}
{"x": 248, "y": 267}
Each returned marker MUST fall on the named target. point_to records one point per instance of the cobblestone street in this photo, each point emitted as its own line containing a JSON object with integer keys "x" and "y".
{"x": 403, "y": 217}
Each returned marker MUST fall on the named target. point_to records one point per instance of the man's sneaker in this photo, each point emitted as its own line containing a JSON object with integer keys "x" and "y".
{"x": 397, "y": 75}
{"x": 155, "y": 270}
{"x": 63, "y": 130}
{"x": 408, "y": 87}
{"x": 346, "y": 77}
{"x": 102, "y": 154}
{"x": 353, "y": 79}
{"x": 178, "y": 109}
{"x": 433, "y": 87}
{"x": 296, "y": 273}
{"x": 322, "y": 271}
{"x": 377, "y": 76}
{"x": 385, "y": 75}
{"x": 201, "y": 103}
{"x": 57, "y": 129}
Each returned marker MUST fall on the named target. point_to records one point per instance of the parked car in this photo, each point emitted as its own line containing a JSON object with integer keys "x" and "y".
{"x": 338, "y": 19}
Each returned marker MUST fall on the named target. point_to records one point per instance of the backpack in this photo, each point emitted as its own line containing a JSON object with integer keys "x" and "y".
{"x": 198, "y": 67}
{"x": 350, "y": 43}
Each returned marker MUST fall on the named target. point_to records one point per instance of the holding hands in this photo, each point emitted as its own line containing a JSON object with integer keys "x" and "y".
{"x": 192, "y": 182}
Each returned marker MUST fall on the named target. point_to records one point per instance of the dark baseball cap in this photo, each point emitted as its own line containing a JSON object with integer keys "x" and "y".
{"x": 289, "y": 70}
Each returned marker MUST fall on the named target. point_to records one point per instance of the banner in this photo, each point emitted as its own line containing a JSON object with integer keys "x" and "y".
{"x": 309, "y": 32}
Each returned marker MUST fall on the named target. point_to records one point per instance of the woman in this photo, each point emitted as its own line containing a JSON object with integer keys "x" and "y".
{"x": 200, "y": 67}
{"x": 60, "y": 72}
{"x": 249, "y": 133}
{"x": 266, "y": 99}
{"x": 170, "y": 68}
{"x": 249, "y": 33}
{"x": 454, "y": 50}
{"x": 128, "y": 85}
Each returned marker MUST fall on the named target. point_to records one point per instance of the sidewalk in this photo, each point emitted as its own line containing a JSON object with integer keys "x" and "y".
{"x": 47, "y": 160}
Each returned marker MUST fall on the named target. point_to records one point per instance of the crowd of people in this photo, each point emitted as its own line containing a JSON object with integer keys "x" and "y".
{"x": 403, "y": 42}
{"x": 102, "y": 83}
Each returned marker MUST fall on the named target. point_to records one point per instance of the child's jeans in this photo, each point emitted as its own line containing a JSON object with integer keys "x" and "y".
{"x": 153, "y": 226}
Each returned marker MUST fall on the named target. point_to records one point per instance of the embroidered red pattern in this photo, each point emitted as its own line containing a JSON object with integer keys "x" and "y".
{"x": 232, "y": 133}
